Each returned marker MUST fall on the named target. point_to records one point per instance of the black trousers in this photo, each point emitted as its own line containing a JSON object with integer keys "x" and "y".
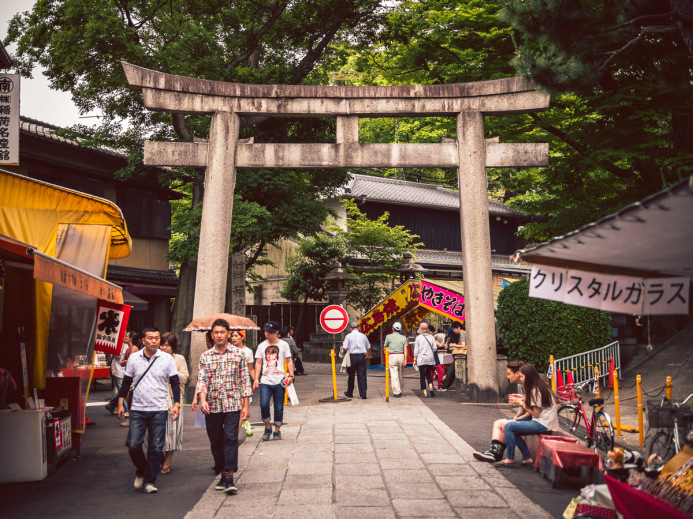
{"x": 358, "y": 368}
{"x": 222, "y": 431}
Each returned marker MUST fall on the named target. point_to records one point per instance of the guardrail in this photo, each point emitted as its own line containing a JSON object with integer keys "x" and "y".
{"x": 581, "y": 366}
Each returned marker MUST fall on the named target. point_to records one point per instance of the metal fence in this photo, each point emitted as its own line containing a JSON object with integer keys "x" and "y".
{"x": 582, "y": 365}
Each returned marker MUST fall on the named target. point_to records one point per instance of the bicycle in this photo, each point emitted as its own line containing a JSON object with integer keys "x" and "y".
{"x": 666, "y": 415}
{"x": 599, "y": 430}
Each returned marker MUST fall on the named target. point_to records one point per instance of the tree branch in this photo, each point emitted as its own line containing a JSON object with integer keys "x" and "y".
{"x": 621, "y": 173}
{"x": 255, "y": 39}
{"x": 644, "y": 31}
{"x": 639, "y": 19}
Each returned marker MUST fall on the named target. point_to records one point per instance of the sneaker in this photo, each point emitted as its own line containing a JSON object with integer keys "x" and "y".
{"x": 230, "y": 488}
{"x": 127, "y": 415}
{"x": 139, "y": 482}
{"x": 490, "y": 456}
{"x": 398, "y": 396}
{"x": 221, "y": 484}
{"x": 277, "y": 435}
{"x": 110, "y": 409}
{"x": 125, "y": 423}
{"x": 149, "y": 488}
{"x": 266, "y": 435}
{"x": 442, "y": 389}
{"x": 248, "y": 429}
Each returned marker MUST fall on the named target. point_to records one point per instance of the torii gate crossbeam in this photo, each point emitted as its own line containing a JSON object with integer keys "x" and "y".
{"x": 470, "y": 153}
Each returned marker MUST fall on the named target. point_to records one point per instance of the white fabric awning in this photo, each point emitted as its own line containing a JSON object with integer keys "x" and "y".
{"x": 651, "y": 238}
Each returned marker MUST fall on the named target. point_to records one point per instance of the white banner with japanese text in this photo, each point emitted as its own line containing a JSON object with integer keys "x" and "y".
{"x": 9, "y": 119}
{"x": 610, "y": 292}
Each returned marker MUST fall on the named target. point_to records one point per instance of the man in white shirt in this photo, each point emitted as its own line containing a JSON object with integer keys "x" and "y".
{"x": 356, "y": 343}
{"x": 269, "y": 375}
{"x": 151, "y": 369}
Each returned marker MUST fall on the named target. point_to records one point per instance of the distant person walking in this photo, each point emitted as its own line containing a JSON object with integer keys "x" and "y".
{"x": 396, "y": 343}
{"x": 356, "y": 343}
{"x": 424, "y": 348}
{"x": 149, "y": 372}
{"x": 269, "y": 375}
{"x": 223, "y": 389}
{"x": 174, "y": 428}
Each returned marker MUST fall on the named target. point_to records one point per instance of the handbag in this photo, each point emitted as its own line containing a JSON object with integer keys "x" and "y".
{"x": 128, "y": 397}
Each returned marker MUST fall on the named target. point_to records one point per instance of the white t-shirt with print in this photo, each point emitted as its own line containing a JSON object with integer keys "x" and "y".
{"x": 273, "y": 367}
{"x": 151, "y": 393}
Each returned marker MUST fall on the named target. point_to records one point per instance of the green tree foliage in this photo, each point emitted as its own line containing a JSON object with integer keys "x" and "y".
{"x": 621, "y": 124}
{"x": 533, "y": 329}
{"x": 80, "y": 44}
{"x": 309, "y": 264}
{"x": 374, "y": 251}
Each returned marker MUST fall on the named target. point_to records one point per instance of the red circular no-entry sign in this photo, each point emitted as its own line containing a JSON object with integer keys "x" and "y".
{"x": 334, "y": 319}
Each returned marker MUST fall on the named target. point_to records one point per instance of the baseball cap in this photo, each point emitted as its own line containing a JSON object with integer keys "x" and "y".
{"x": 271, "y": 326}
{"x": 354, "y": 324}
{"x": 397, "y": 326}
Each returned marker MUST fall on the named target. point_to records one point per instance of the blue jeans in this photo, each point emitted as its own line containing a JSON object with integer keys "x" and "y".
{"x": 277, "y": 393}
{"x": 153, "y": 422}
{"x": 513, "y": 436}
{"x": 113, "y": 404}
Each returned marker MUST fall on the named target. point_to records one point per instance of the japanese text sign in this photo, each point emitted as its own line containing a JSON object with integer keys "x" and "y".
{"x": 610, "y": 292}
{"x": 9, "y": 119}
{"x": 442, "y": 301}
{"x": 111, "y": 323}
{"x": 394, "y": 305}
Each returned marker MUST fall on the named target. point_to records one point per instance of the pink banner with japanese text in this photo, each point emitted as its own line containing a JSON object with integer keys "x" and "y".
{"x": 442, "y": 301}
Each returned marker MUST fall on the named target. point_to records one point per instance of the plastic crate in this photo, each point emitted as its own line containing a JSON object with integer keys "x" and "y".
{"x": 660, "y": 416}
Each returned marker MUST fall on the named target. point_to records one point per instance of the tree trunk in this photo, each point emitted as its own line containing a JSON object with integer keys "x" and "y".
{"x": 299, "y": 322}
{"x": 183, "y": 307}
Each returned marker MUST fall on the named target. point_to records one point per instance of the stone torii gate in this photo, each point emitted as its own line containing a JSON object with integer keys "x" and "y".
{"x": 223, "y": 153}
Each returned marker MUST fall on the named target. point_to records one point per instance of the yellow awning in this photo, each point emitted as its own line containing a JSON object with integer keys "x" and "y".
{"x": 30, "y": 211}
{"x": 33, "y": 212}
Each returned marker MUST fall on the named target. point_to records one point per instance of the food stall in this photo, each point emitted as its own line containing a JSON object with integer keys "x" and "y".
{"x": 409, "y": 304}
{"x": 54, "y": 247}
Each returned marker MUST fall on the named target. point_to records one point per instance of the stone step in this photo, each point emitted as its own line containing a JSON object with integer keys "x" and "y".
{"x": 325, "y": 337}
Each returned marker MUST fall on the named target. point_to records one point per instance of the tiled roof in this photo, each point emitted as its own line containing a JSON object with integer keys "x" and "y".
{"x": 439, "y": 258}
{"x": 47, "y": 131}
{"x": 129, "y": 274}
{"x": 412, "y": 193}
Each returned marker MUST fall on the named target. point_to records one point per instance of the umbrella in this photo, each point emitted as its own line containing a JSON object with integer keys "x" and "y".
{"x": 236, "y": 322}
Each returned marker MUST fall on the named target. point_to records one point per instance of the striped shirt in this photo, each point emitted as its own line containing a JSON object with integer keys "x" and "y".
{"x": 356, "y": 342}
{"x": 224, "y": 378}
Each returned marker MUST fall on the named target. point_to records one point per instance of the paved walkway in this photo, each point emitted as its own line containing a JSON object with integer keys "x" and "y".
{"x": 364, "y": 458}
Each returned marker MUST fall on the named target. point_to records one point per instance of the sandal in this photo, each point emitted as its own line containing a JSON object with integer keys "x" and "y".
{"x": 166, "y": 470}
{"x": 527, "y": 463}
{"x": 504, "y": 465}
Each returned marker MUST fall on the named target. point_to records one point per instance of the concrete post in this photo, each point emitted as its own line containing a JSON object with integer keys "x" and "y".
{"x": 476, "y": 258}
{"x": 215, "y": 229}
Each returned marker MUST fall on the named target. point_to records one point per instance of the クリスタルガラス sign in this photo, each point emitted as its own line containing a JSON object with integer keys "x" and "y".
{"x": 9, "y": 119}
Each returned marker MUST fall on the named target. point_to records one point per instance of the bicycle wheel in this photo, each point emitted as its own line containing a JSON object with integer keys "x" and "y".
{"x": 662, "y": 443}
{"x": 603, "y": 434}
{"x": 569, "y": 418}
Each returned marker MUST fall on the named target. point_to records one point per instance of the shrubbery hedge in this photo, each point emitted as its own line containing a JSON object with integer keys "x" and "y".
{"x": 532, "y": 329}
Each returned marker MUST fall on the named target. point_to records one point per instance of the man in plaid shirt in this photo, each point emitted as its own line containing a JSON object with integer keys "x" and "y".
{"x": 223, "y": 387}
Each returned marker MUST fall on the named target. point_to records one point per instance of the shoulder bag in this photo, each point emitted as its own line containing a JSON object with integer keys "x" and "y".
{"x": 128, "y": 398}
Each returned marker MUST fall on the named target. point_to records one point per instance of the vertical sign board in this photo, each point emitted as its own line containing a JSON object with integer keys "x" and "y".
{"x": 111, "y": 324}
{"x": 9, "y": 119}
{"x": 238, "y": 284}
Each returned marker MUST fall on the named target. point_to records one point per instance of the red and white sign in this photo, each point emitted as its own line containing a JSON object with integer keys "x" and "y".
{"x": 334, "y": 319}
{"x": 111, "y": 323}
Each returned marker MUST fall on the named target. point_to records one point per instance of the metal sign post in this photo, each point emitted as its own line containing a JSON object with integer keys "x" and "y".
{"x": 334, "y": 320}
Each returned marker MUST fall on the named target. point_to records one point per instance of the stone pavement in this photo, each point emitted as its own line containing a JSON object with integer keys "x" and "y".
{"x": 364, "y": 458}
